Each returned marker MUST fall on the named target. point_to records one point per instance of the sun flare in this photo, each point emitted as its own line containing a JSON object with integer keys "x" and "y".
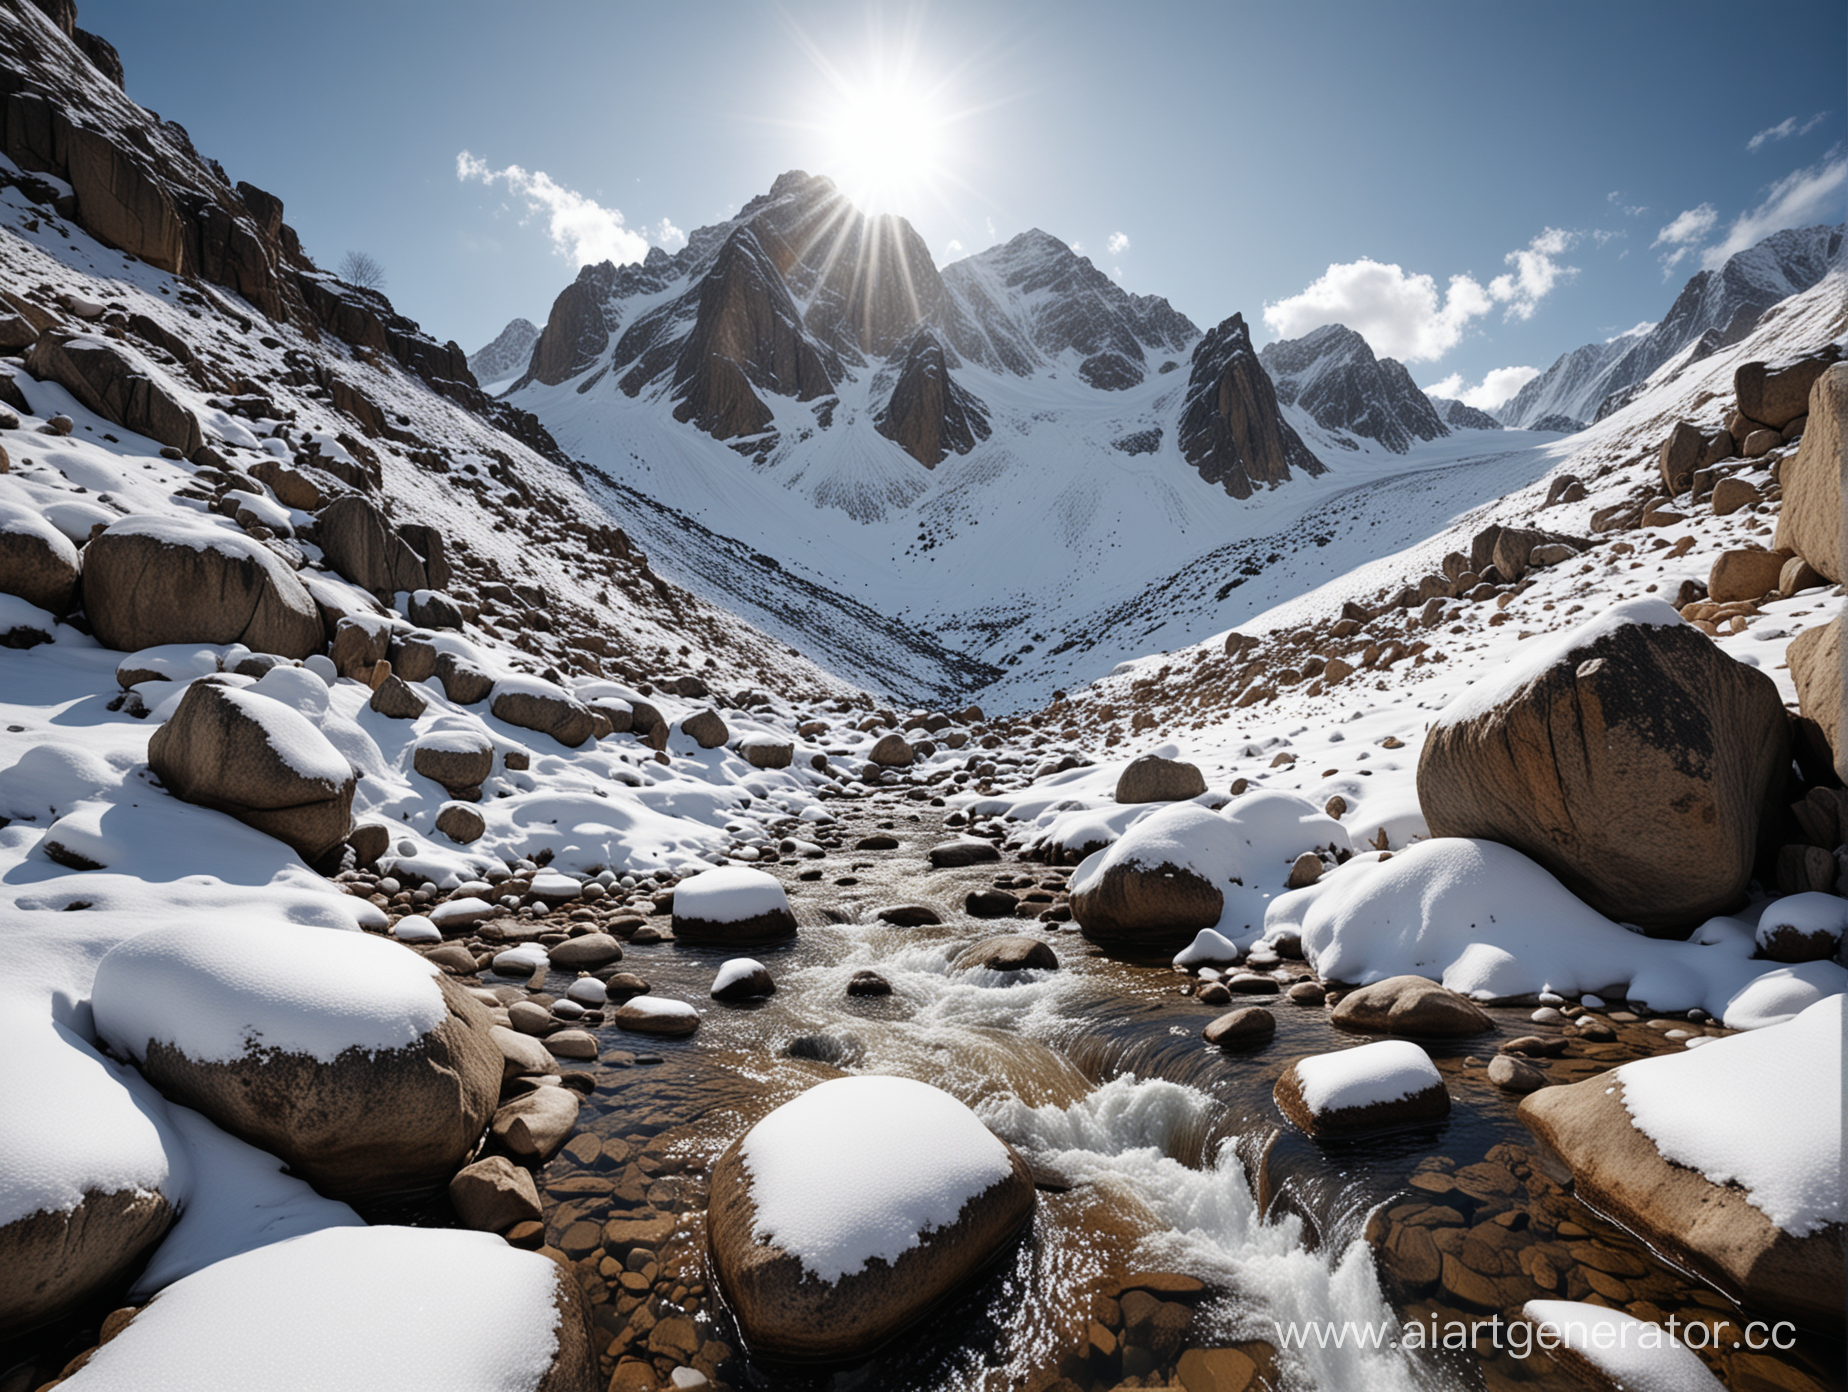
{"x": 886, "y": 146}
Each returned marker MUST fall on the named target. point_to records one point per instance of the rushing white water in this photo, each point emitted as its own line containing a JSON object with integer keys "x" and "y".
{"x": 1209, "y": 1227}
{"x": 989, "y": 1038}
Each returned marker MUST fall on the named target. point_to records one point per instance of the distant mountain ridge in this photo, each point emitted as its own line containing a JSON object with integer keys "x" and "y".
{"x": 506, "y": 357}
{"x": 1714, "y": 310}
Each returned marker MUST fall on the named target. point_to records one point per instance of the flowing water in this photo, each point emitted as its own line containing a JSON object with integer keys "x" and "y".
{"x": 1157, "y": 1156}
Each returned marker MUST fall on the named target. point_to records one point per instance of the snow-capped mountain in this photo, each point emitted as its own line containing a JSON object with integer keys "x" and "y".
{"x": 1459, "y": 416}
{"x": 1714, "y": 310}
{"x": 507, "y": 356}
{"x": 1332, "y": 374}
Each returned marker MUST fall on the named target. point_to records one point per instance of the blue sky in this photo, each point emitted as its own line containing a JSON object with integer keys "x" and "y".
{"x": 1571, "y": 163}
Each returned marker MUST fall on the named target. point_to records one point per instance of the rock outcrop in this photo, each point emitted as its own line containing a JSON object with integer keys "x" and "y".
{"x": 114, "y": 383}
{"x": 1232, "y": 430}
{"x": 361, "y": 543}
{"x": 929, "y": 415}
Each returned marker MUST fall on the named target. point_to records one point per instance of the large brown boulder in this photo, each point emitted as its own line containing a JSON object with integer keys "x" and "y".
{"x": 882, "y": 1150}
{"x": 1809, "y": 521}
{"x": 1815, "y": 661}
{"x": 258, "y": 760}
{"x": 1747, "y": 573}
{"x": 1709, "y": 1228}
{"x": 37, "y": 561}
{"x": 355, "y": 1061}
{"x": 1152, "y": 778}
{"x": 1630, "y": 757}
{"x": 361, "y": 543}
{"x": 1388, "y": 1086}
{"x": 1149, "y": 892}
{"x": 1410, "y": 1005}
{"x": 117, "y": 385}
{"x": 151, "y": 580}
{"x": 1680, "y": 457}
{"x": 534, "y": 704}
{"x": 1775, "y": 394}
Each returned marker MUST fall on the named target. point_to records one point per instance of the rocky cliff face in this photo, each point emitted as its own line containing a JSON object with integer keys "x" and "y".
{"x": 1332, "y": 374}
{"x": 137, "y": 184}
{"x": 928, "y": 415}
{"x": 1231, "y": 429}
{"x": 747, "y": 337}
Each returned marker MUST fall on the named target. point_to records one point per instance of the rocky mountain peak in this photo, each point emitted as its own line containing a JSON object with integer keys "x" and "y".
{"x": 508, "y": 355}
{"x": 929, "y": 415}
{"x": 1332, "y": 374}
{"x": 1231, "y": 429}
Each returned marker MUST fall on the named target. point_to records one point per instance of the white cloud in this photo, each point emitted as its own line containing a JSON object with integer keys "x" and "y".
{"x": 580, "y": 227}
{"x": 1118, "y": 243}
{"x": 1405, "y": 316}
{"x": 1689, "y": 226}
{"x": 1498, "y": 387}
{"x": 1615, "y": 199}
{"x": 952, "y": 251}
{"x": 1078, "y": 248}
{"x": 1783, "y": 130}
{"x": 1799, "y": 199}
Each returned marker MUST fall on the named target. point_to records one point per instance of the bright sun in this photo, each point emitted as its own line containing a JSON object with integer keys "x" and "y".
{"x": 887, "y": 147}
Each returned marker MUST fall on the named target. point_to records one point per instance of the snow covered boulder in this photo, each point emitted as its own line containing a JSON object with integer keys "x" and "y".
{"x": 1155, "y": 779}
{"x": 1160, "y": 883}
{"x": 852, "y": 1210}
{"x": 457, "y": 759}
{"x": 534, "y": 704}
{"x": 258, "y": 760}
{"x": 1629, "y": 756}
{"x": 360, "y": 543}
{"x": 1802, "y": 927}
{"x": 348, "y": 1056}
{"x": 1410, "y": 1005}
{"x": 86, "y": 1183}
{"x": 116, "y": 384}
{"x": 1727, "y": 1158}
{"x": 742, "y": 978}
{"x": 1378, "y": 1087}
{"x": 151, "y": 580}
{"x": 329, "y": 1309}
{"x": 732, "y": 905}
{"x": 37, "y": 561}
{"x": 657, "y": 1015}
